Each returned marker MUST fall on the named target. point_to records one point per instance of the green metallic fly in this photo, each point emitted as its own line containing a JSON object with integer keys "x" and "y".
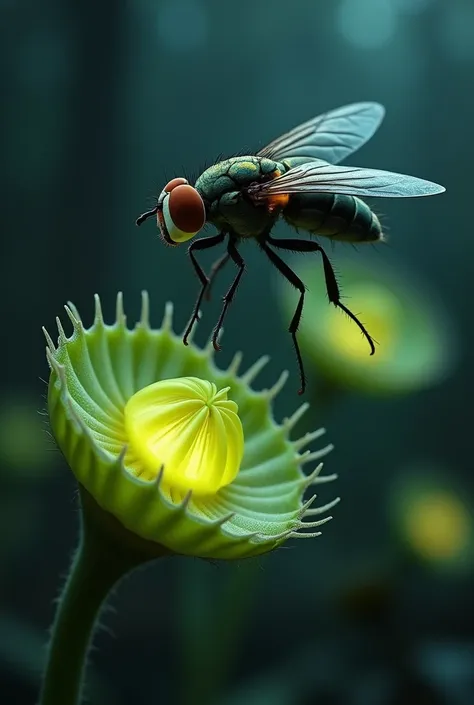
{"x": 294, "y": 177}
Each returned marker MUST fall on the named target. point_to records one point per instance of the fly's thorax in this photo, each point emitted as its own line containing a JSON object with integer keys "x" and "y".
{"x": 338, "y": 217}
{"x": 222, "y": 188}
{"x": 233, "y": 174}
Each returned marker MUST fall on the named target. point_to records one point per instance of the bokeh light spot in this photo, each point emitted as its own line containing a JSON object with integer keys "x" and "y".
{"x": 367, "y": 24}
{"x": 438, "y": 525}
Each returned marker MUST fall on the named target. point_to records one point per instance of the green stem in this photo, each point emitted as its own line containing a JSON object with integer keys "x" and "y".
{"x": 101, "y": 560}
{"x": 87, "y": 586}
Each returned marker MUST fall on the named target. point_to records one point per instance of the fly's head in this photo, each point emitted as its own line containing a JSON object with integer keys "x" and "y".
{"x": 180, "y": 212}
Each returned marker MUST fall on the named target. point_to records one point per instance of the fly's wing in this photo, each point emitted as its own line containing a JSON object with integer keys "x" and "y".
{"x": 349, "y": 180}
{"x": 331, "y": 136}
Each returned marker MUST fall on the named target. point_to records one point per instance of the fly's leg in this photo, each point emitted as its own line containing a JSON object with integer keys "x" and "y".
{"x": 216, "y": 267}
{"x": 202, "y": 244}
{"x": 289, "y": 274}
{"x": 332, "y": 287}
{"x": 236, "y": 257}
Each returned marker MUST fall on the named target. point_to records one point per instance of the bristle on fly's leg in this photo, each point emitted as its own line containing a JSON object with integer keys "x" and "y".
{"x": 192, "y": 330}
{"x": 209, "y": 346}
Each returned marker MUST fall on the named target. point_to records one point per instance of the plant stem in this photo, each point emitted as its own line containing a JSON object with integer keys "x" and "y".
{"x": 99, "y": 563}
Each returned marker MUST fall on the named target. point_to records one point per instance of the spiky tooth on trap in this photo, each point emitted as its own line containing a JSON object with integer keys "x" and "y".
{"x": 313, "y": 524}
{"x": 120, "y": 317}
{"x": 309, "y": 437}
{"x": 76, "y": 323}
{"x": 308, "y": 456}
{"x": 273, "y": 392}
{"x": 145, "y": 310}
{"x": 324, "y": 508}
{"x": 75, "y": 311}
{"x": 62, "y": 334}
{"x": 290, "y": 422}
{"x": 49, "y": 340}
{"x": 167, "y": 322}
{"x": 98, "y": 314}
{"x": 235, "y": 364}
{"x": 249, "y": 376}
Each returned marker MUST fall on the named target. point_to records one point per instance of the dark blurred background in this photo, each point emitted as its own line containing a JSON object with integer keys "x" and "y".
{"x": 103, "y": 103}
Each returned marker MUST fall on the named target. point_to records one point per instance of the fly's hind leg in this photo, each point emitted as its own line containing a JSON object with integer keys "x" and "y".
{"x": 332, "y": 287}
{"x": 202, "y": 244}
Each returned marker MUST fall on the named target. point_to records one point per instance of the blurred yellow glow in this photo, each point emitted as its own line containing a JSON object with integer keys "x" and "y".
{"x": 438, "y": 525}
{"x": 381, "y": 316}
{"x": 190, "y": 428}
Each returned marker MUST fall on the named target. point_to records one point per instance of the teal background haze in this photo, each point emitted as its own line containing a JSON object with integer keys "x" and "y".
{"x": 103, "y": 103}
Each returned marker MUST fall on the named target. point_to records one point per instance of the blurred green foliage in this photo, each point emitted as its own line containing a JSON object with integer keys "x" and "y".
{"x": 25, "y": 445}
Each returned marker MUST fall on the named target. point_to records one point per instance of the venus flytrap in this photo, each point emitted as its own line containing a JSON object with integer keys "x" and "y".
{"x": 173, "y": 457}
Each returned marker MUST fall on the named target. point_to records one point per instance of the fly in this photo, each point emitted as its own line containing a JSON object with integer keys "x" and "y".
{"x": 296, "y": 177}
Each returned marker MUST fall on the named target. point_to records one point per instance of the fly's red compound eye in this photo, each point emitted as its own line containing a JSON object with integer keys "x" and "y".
{"x": 183, "y": 211}
{"x": 179, "y": 181}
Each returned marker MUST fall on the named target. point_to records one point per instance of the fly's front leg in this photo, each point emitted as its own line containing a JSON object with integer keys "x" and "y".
{"x": 237, "y": 258}
{"x": 202, "y": 244}
{"x": 332, "y": 287}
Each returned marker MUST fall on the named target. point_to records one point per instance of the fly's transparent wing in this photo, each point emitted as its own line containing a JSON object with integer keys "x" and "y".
{"x": 350, "y": 180}
{"x": 331, "y": 136}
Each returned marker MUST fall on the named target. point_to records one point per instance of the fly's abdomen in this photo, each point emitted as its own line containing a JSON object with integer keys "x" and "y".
{"x": 338, "y": 217}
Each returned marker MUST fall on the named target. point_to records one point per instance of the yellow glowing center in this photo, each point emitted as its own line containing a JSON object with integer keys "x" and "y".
{"x": 438, "y": 526}
{"x": 379, "y": 311}
{"x": 191, "y": 429}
